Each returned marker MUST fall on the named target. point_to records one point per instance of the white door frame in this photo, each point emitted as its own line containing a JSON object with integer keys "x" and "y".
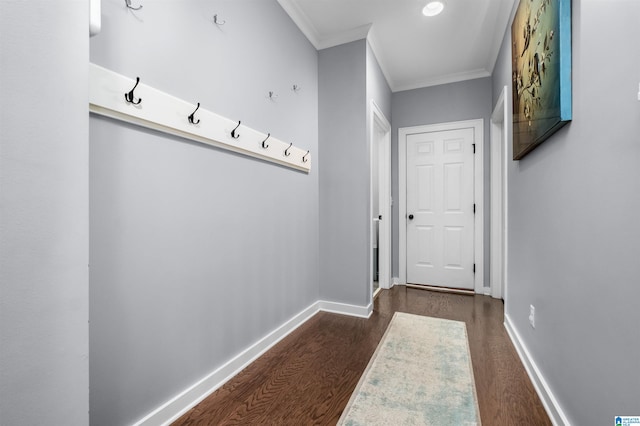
{"x": 478, "y": 134}
{"x": 379, "y": 121}
{"x": 499, "y": 163}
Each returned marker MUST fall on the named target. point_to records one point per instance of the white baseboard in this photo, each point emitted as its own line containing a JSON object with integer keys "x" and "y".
{"x": 551, "y": 405}
{"x": 183, "y": 402}
{"x": 190, "y": 397}
{"x": 346, "y": 309}
{"x": 396, "y": 281}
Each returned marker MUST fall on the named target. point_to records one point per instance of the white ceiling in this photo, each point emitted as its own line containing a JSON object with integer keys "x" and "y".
{"x": 413, "y": 50}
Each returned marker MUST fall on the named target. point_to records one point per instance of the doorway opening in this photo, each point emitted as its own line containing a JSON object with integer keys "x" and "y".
{"x": 499, "y": 160}
{"x": 380, "y": 207}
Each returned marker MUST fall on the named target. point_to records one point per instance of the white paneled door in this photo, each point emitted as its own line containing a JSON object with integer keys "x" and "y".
{"x": 440, "y": 208}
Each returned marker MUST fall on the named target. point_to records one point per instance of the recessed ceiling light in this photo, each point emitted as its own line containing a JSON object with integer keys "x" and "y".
{"x": 433, "y": 8}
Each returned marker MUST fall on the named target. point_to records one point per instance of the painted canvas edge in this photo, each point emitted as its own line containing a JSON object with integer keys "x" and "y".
{"x": 557, "y": 126}
{"x": 566, "y": 90}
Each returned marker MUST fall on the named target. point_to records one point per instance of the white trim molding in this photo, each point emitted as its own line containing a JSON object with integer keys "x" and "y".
{"x": 95, "y": 17}
{"x": 305, "y": 25}
{"x": 551, "y": 404}
{"x": 437, "y": 81}
{"x": 190, "y": 397}
{"x": 499, "y": 196}
{"x": 358, "y": 33}
{"x": 187, "y": 399}
{"x": 478, "y": 132}
{"x": 302, "y": 21}
{"x": 372, "y": 39}
{"x": 377, "y": 120}
{"x": 346, "y": 309}
{"x": 109, "y": 94}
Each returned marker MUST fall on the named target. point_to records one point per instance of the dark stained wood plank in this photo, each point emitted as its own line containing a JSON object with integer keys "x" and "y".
{"x": 308, "y": 377}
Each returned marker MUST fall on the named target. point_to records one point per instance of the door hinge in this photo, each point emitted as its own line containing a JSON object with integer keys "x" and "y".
{"x": 474, "y": 208}
{"x": 474, "y": 268}
{"x": 474, "y": 147}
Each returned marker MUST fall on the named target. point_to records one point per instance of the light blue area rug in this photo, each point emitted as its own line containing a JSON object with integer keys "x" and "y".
{"x": 420, "y": 374}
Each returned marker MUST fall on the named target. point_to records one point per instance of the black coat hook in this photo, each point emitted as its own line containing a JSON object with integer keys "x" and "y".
{"x": 191, "y": 117}
{"x": 128, "y": 3}
{"x": 129, "y": 96}
{"x": 286, "y": 151}
{"x": 304, "y": 160}
{"x": 233, "y": 132}
{"x": 218, "y": 22}
{"x": 263, "y": 142}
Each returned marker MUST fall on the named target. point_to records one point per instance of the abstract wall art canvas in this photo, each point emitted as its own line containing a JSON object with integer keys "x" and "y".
{"x": 541, "y": 69}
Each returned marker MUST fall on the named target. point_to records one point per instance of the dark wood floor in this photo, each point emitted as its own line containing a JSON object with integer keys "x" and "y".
{"x": 309, "y": 376}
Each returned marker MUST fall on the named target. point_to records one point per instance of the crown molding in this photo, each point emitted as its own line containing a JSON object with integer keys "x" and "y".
{"x": 302, "y": 21}
{"x": 367, "y": 32}
{"x": 309, "y": 30}
{"x": 504, "y": 20}
{"x": 450, "y": 78}
{"x": 348, "y": 36}
{"x": 374, "y": 44}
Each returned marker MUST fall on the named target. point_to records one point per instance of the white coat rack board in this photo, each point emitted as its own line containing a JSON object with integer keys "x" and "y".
{"x": 123, "y": 98}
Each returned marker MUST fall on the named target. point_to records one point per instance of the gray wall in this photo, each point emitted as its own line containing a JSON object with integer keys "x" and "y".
{"x": 574, "y": 237}
{"x": 350, "y": 77}
{"x": 196, "y": 253}
{"x": 44, "y": 372}
{"x": 344, "y": 176}
{"x": 377, "y": 86}
{"x": 465, "y": 100}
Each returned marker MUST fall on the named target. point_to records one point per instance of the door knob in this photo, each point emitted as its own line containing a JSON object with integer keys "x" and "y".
{"x": 410, "y": 217}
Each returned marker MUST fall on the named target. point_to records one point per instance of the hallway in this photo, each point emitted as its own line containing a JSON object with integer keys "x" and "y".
{"x": 140, "y": 269}
{"x": 309, "y": 376}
